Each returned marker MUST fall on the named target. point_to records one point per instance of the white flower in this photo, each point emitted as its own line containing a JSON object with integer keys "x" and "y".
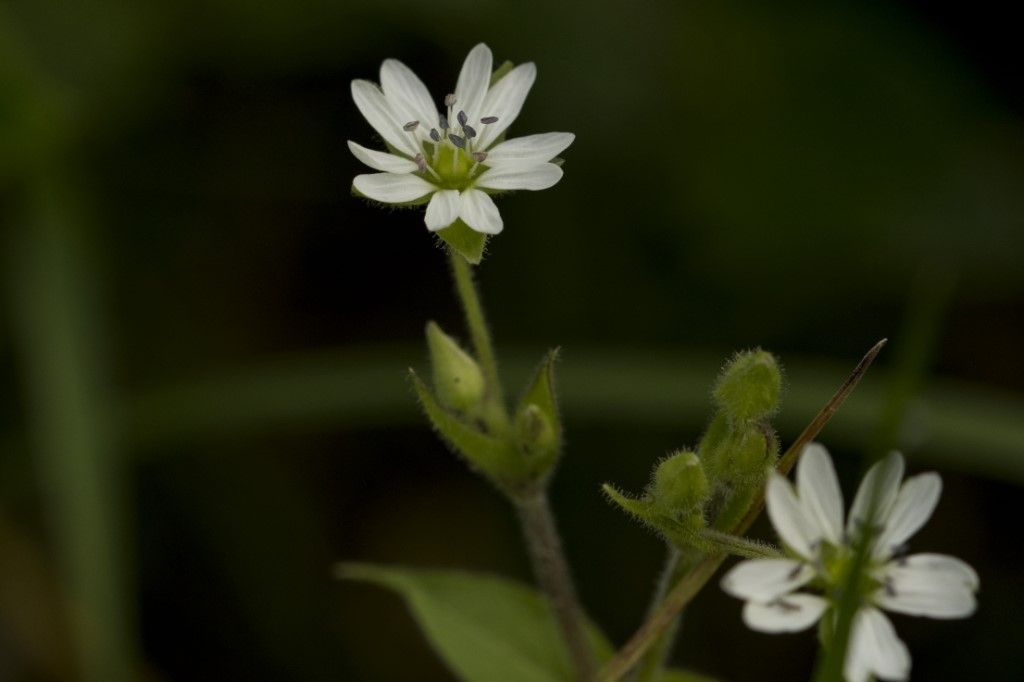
{"x": 809, "y": 521}
{"x": 456, "y": 158}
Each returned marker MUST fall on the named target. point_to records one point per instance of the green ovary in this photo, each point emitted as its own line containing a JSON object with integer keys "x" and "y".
{"x": 453, "y": 165}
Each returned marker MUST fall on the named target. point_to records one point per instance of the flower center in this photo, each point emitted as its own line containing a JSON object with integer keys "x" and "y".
{"x": 449, "y": 159}
{"x": 836, "y": 563}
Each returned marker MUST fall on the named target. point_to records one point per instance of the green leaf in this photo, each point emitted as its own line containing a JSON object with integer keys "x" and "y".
{"x": 492, "y": 456}
{"x": 542, "y": 449}
{"x": 464, "y": 240}
{"x": 484, "y": 627}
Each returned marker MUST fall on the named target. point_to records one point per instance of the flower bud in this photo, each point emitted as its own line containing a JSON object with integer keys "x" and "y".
{"x": 536, "y": 432}
{"x": 749, "y": 387}
{"x": 745, "y": 457}
{"x": 679, "y": 482}
{"x": 458, "y": 381}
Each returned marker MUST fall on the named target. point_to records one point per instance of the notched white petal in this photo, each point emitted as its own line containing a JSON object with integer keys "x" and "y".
{"x": 512, "y": 177}
{"x": 407, "y": 94}
{"x": 479, "y": 212}
{"x": 931, "y": 585}
{"x": 505, "y": 100}
{"x": 765, "y": 579}
{"x": 880, "y": 485}
{"x": 788, "y": 517}
{"x": 471, "y": 88}
{"x": 442, "y": 210}
{"x": 392, "y": 188}
{"x": 875, "y": 648}
{"x": 789, "y": 613}
{"x": 913, "y": 507}
{"x": 375, "y": 109}
{"x": 381, "y": 161}
{"x": 529, "y": 148}
{"x": 818, "y": 488}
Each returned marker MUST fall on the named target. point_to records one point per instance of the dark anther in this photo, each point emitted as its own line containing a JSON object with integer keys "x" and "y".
{"x": 461, "y": 116}
{"x": 434, "y": 135}
{"x": 420, "y": 162}
{"x": 442, "y": 122}
{"x": 487, "y": 120}
{"x": 795, "y": 572}
{"x": 469, "y": 130}
{"x": 479, "y": 157}
{"x": 457, "y": 141}
{"x": 410, "y": 126}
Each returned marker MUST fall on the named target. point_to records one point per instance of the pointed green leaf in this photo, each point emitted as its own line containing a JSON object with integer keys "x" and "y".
{"x": 639, "y": 508}
{"x": 541, "y": 393}
{"x": 464, "y": 240}
{"x": 489, "y": 455}
{"x": 484, "y": 627}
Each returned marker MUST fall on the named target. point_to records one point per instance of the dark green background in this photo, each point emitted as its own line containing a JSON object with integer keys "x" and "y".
{"x": 203, "y": 335}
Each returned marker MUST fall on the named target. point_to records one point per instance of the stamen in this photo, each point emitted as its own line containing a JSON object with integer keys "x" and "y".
{"x": 434, "y": 135}
{"x": 462, "y": 118}
{"x": 469, "y": 130}
{"x": 442, "y": 122}
{"x": 458, "y": 141}
{"x": 449, "y": 99}
{"x": 487, "y": 120}
{"x": 795, "y": 572}
{"x": 890, "y": 589}
{"x": 410, "y": 126}
{"x": 479, "y": 157}
{"x": 422, "y": 164}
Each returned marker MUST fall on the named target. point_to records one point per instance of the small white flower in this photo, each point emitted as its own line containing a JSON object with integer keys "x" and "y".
{"x": 456, "y": 158}
{"x": 809, "y": 521}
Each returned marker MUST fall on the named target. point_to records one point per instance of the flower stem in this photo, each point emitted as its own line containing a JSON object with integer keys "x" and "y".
{"x": 654, "y": 659}
{"x": 552, "y": 572}
{"x": 543, "y": 544}
{"x": 477, "y": 323}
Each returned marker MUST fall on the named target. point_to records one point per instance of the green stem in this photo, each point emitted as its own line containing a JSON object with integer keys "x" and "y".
{"x": 477, "y": 323}
{"x": 538, "y": 523}
{"x": 653, "y": 661}
{"x": 552, "y": 572}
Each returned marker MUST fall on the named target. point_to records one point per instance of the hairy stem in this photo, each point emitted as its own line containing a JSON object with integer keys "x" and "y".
{"x": 552, "y": 572}
{"x": 654, "y": 660}
{"x": 538, "y": 523}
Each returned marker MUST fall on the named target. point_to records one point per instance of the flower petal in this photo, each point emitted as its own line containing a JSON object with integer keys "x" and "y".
{"x": 765, "y": 579}
{"x": 442, "y": 210}
{"x": 475, "y": 77}
{"x": 819, "y": 492}
{"x": 505, "y": 100}
{"x": 535, "y": 177}
{"x": 392, "y": 188}
{"x": 913, "y": 507}
{"x": 885, "y": 476}
{"x": 375, "y": 109}
{"x": 529, "y": 148}
{"x": 875, "y": 649}
{"x": 407, "y": 94}
{"x": 788, "y": 517}
{"x": 479, "y": 212}
{"x": 382, "y": 161}
{"x": 790, "y": 613}
{"x": 932, "y": 585}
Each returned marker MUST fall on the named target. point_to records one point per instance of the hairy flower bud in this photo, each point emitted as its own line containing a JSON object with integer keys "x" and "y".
{"x": 679, "y": 482}
{"x": 749, "y": 387}
{"x": 458, "y": 381}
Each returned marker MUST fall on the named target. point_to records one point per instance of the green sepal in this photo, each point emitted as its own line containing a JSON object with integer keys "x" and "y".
{"x": 639, "y": 508}
{"x": 680, "y": 529}
{"x": 464, "y": 240}
{"x": 500, "y": 73}
{"x": 538, "y": 426}
{"x": 558, "y": 161}
{"x": 493, "y": 457}
{"x": 458, "y": 380}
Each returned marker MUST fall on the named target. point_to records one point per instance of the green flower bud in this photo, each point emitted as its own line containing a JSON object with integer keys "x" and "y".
{"x": 458, "y": 381}
{"x": 745, "y": 457}
{"x": 749, "y": 386}
{"x": 536, "y": 433}
{"x": 679, "y": 482}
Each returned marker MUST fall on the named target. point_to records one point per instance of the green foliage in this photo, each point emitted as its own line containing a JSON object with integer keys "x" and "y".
{"x": 491, "y": 455}
{"x": 749, "y": 387}
{"x": 464, "y": 240}
{"x": 458, "y": 381}
{"x": 484, "y": 627}
{"x": 538, "y": 425}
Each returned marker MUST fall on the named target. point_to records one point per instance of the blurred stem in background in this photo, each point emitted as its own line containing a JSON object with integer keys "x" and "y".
{"x": 70, "y": 425}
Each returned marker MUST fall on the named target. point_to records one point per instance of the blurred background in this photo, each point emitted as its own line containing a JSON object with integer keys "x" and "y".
{"x": 204, "y": 336}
